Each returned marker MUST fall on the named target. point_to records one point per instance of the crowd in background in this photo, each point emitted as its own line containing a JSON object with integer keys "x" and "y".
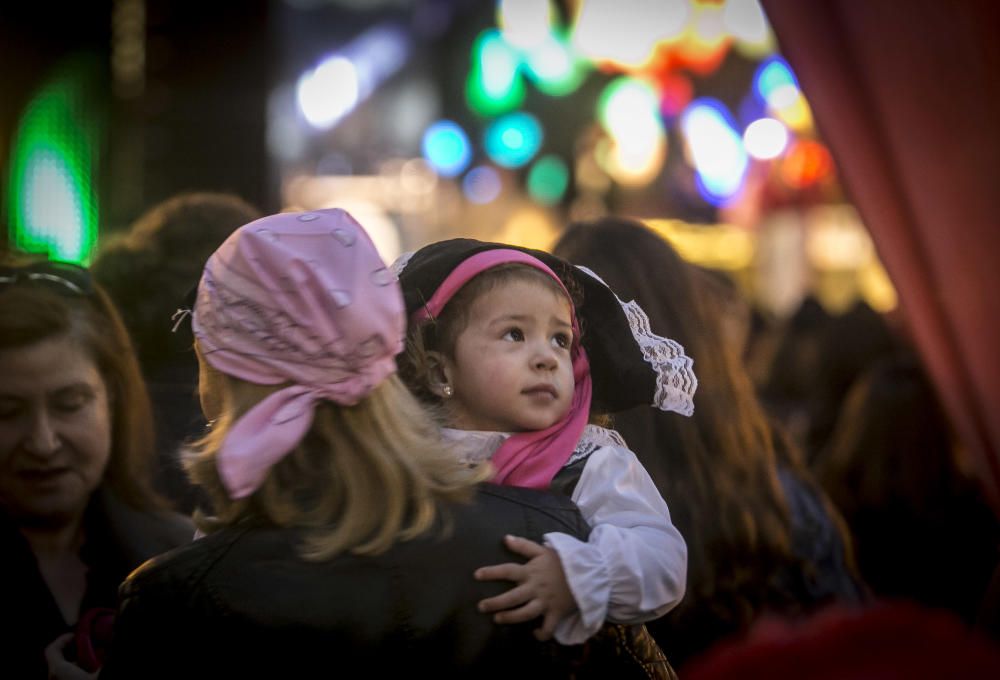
{"x": 818, "y": 478}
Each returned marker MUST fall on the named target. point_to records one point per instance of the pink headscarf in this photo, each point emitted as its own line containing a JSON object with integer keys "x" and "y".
{"x": 526, "y": 459}
{"x": 297, "y": 298}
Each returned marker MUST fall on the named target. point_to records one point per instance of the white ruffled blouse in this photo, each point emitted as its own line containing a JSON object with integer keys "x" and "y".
{"x": 633, "y": 567}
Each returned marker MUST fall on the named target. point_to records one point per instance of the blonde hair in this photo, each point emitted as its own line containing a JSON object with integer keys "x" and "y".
{"x": 363, "y": 477}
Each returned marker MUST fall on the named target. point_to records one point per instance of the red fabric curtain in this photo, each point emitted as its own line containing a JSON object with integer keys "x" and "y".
{"x": 907, "y": 96}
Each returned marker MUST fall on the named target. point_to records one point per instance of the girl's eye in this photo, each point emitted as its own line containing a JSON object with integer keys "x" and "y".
{"x": 562, "y": 340}
{"x": 514, "y": 334}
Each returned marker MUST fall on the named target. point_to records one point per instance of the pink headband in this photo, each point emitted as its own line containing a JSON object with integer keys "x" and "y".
{"x": 526, "y": 459}
{"x": 297, "y": 298}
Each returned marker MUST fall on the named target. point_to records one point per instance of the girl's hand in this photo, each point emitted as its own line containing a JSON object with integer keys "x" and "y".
{"x": 541, "y": 591}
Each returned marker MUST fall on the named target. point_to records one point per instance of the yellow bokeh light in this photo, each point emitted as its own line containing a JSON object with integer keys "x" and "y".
{"x": 636, "y": 165}
{"x": 719, "y": 246}
{"x": 837, "y": 240}
{"x": 793, "y": 112}
{"x": 529, "y": 227}
{"x": 876, "y": 288}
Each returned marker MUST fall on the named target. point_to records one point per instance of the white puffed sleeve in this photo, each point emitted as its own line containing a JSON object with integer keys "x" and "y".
{"x": 633, "y": 568}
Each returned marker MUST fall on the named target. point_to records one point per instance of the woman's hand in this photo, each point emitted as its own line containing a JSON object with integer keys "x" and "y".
{"x": 541, "y": 588}
{"x": 59, "y": 667}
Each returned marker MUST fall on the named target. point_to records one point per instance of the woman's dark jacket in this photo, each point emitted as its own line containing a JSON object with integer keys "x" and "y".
{"x": 118, "y": 539}
{"x": 241, "y": 602}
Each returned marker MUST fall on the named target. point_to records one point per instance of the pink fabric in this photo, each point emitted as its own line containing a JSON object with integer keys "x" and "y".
{"x": 302, "y": 300}
{"x": 526, "y": 459}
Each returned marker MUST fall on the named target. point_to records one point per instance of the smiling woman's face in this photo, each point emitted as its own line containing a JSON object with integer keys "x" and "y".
{"x": 55, "y": 431}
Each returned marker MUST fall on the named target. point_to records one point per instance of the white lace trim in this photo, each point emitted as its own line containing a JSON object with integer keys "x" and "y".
{"x": 595, "y": 437}
{"x": 675, "y": 379}
{"x": 399, "y": 264}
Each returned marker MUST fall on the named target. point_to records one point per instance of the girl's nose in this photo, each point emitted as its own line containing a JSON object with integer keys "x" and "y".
{"x": 545, "y": 359}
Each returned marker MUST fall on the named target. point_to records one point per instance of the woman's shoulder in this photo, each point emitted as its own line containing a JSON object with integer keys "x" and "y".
{"x": 143, "y": 531}
{"x": 184, "y": 565}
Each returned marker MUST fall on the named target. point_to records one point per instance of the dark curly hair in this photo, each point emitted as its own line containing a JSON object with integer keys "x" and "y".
{"x": 149, "y": 269}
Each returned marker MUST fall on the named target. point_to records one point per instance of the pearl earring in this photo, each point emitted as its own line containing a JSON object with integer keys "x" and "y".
{"x": 447, "y": 391}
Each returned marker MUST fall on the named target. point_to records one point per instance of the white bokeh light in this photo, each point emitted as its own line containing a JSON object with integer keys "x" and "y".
{"x": 765, "y": 138}
{"x": 329, "y": 92}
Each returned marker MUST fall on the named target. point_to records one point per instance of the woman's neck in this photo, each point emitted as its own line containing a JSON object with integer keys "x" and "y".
{"x": 57, "y": 550}
{"x": 52, "y": 541}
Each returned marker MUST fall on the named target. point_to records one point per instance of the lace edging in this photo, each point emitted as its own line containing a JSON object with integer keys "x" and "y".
{"x": 399, "y": 264}
{"x": 603, "y": 436}
{"x": 675, "y": 379}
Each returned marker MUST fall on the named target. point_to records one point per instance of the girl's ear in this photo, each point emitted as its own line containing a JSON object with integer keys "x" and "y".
{"x": 439, "y": 374}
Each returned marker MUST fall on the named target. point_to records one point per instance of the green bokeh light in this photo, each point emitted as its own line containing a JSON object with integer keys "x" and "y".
{"x": 555, "y": 67}
{"x": 548, "y": 179}
{"x": 54, "y": 159}
{"x": 494, "y": 84}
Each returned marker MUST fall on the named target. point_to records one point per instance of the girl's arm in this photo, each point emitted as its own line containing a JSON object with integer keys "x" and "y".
{"x": 633, "y": 568}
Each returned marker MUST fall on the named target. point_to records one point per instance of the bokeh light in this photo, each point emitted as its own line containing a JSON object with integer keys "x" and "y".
{"x": 482, "y": 185}
{"x": 555, "y": 67}
{"x": 494, "y": 84}
{"x": 446, "y": 148}
{"x": 329, "y": 92}
{"x": 525, "y": 24}
{"x": 54, "y": 209}
{"x": 548, "y": 179}
{"x": 715, "y": 150}
{"x": 629, "y": 110}
{"x": 513, "y": 140}
{"x": 627, "y": 32}
{"x": 772, "y": 76}
{"x": 806, "y": 163}
{"x": 745, "y": 20}
{"x": 765, "y": 138}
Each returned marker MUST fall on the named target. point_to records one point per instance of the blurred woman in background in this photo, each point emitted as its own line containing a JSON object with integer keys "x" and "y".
{"x": 761, "y": 536}
{"x": 77, "y": 511}
{"x": 923, "y": 528}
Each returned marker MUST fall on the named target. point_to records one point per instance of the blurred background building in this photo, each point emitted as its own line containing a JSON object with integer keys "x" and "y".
{"x": 432, "y": 118}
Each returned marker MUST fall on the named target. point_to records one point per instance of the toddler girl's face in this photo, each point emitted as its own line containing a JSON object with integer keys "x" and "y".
{"x": 511, "y": 370}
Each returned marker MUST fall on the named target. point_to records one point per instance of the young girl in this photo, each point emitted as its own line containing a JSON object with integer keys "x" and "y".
{"x": 495, "y": 342}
